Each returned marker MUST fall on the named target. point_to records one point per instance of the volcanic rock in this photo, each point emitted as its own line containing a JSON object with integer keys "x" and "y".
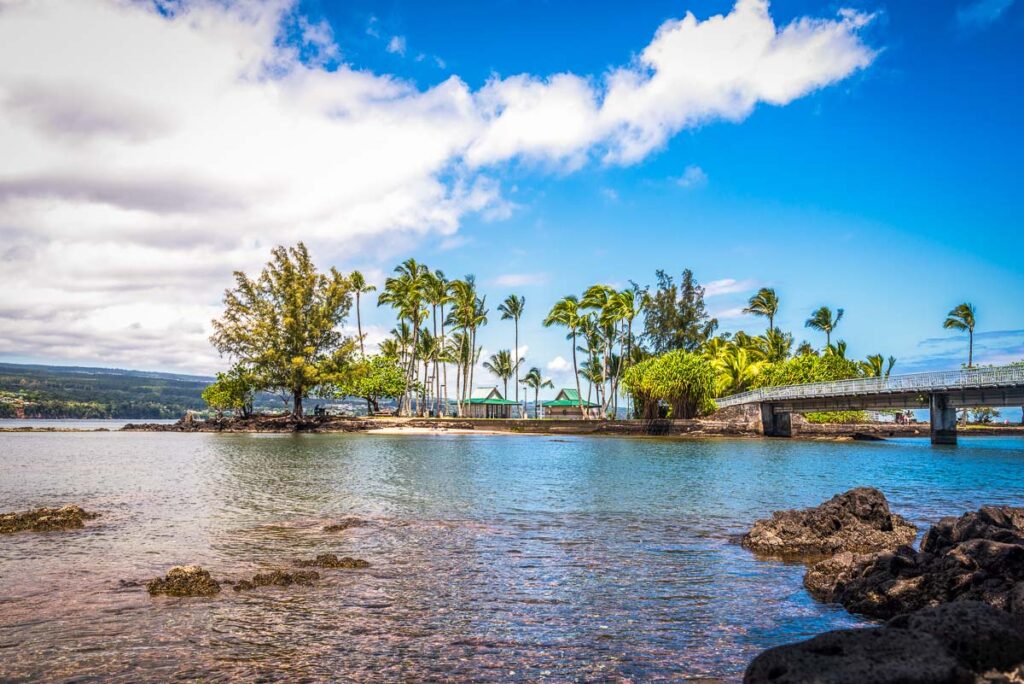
{"x": 45, "y": 519}
{"x": 976, "y": 557}
{"x": 858, "y": 521}
{"x": 187, "y": 580}
{"x": 344, "y": 524}
{"x": 278, "y": 578}
{"x": 962, "y": 642}
{"x": 329, "y": 560}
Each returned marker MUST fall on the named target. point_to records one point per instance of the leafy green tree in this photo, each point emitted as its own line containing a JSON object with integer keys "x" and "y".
{"x": 285, "y": 324}
{"x": 683, "y": 381}
{"x": 233, "y": 391}
{"x": 823, "y": 320}
{"x": 675, "y": 316}
{"x": 961, "y": 318}
{"x": 566, "y": 313}
{"x": 512, "y": 309}
{"x": 764, "y": 303}
{"x": 984, "y": 415}
{"x": 373, "y": 378}
{"x": 360, "y": 287}
{"x": 534, "y": 380}
{"x": 807, "y": 368}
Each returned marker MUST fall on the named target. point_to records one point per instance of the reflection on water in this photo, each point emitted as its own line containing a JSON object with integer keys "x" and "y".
{"x": 493, "y": 557}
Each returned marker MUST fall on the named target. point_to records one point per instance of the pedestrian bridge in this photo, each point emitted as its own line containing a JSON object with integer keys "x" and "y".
{"x": 941, "y": 392}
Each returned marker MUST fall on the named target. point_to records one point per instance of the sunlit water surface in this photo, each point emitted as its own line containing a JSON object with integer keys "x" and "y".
{"x": 493, "y": 557}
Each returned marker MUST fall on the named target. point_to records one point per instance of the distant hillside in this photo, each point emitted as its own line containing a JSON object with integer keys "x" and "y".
{"x": 78, "y": 392}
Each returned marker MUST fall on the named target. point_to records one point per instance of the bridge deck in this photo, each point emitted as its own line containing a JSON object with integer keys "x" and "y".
{"x": 998, "y": 386}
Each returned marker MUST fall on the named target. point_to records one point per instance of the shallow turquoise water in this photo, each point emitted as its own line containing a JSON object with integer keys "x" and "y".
{"x": 494, "y": 557}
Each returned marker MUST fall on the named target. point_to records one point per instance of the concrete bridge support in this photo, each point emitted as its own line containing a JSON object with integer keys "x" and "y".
{"x": 943, "y": 419}
{"x": 776, "y": 424}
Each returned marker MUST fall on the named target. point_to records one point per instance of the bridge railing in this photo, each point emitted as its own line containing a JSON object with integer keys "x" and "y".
{"x": 968, "y": 378}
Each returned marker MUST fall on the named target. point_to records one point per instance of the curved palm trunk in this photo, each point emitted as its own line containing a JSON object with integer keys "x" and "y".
{"x": 576, "y": 373}
{"x": 970, "y": 347}
{"x": 515, "y": 361}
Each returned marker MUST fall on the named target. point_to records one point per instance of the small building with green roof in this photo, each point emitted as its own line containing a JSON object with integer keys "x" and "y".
{"x": 566, "y": 404}
{"x": 487, "y": 402}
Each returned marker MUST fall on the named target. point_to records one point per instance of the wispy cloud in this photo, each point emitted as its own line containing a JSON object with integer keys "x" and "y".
{"x": 519, "y": 279}
{"x": 693, "y": 177}
{"x": 726, "y": 286}
{"x": 396, "y": 45}
{"x": 995, "y": 347}
{"x": 981, "y": 13}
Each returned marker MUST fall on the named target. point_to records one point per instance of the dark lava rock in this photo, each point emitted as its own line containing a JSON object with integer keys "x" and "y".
{"x": 344, "y": 524}
{"x": 977, "y": 557}
{"x": 329, "y": 560}
{"x": 279, "y": 578}
{"x": 45, "y": 519}
{"x": 962, "y": 642}
{"x": 858, "y": 520}
{"x": 187, "y": 580}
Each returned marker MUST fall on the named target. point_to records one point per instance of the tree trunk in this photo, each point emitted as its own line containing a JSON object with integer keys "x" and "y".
{"x": 515, "y": 361}
{"x": 359, "y": 325}
{"x": 297, "y": 403}
{"x": 576, "y": 373}
{"x": 970, "y": 348}
{"x": 444, "y": 370}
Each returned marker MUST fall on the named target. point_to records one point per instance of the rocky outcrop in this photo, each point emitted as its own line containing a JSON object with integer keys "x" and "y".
{"x": 857, "y": 521}
{"x": 976, "y": 557}
{"x": 45, "y": 519}
{"x": 186, "y": 580}
{"x": 960, "y": 642}
{"x": 344, "y": 524}
{"x": 278, "y": 578}
{"x": 329, "y": 560}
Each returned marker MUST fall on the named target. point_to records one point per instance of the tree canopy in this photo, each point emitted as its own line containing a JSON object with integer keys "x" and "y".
{"x": 675, "y": 315}
{"x": 285, "y": 324}
{"x": 683, "y": 382}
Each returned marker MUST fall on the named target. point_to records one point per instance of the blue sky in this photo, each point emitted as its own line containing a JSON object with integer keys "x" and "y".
{"x": 894, "y": 194}
{"x": 878, "y": 170}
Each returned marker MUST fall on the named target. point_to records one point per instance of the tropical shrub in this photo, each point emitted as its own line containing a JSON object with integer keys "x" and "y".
{"x": 807, "y": 368}
{"x": 682, "y": 382}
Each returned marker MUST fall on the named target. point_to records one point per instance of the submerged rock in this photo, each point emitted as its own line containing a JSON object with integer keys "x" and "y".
{"x": 187, "y": 580}
{"x": 329, "y": 560}
{"x": 976, "y": 557}
{"x": 278, "y": 578}
{"x": 962, "y": 642}
{"x": 45, "y": 519}
{"x": 858, "y": 521}
{"x": 344, "y": 524}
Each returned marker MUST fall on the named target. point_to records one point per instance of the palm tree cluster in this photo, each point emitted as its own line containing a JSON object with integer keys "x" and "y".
{"x": 740, "y": 358}
{"x": 603, "y": 320}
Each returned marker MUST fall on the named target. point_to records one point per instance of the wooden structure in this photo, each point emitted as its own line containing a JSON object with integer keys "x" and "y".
{"x": 566, "y": 404}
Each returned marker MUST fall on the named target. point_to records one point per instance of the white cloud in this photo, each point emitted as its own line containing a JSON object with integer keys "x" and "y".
{"x": 396, "y": 45}
{"x": 559, "y": 365}
{"x": 519, "y": 279}
{"x": 147, "y": 156}
{"x": 693, "y": 177}
{"x": 729, "y": 314}
{"x": 726, "y": 286}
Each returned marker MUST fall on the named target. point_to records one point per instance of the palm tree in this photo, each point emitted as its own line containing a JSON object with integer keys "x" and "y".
{"x": 775, "y": 345}
{"x": 823, "y": 320}
{"x": 404, "y": 292}
{"x": 435, "y": 293}
{"x": 512, "y": 308}
{"x": 874, "y": 366}
{"x": 764, "y": 303}
{"x": 962, "y": 318}
{"x": 566, "y": 313}
{"x": 468, "y": 313}
{"x": 502, "y": 365}
{"x": 535, "y": 380}
{"x": 360, "y": 287}
{"x": 736, "y": 370}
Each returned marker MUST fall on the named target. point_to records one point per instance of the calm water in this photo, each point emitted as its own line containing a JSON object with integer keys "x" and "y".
{"x": 494, "y": 557}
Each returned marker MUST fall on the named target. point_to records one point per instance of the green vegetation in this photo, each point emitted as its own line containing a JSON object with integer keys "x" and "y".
{"x": 962, "y": 318}
{"x": 70, "y": 392}
{"x": 233, "y": 391}
{"x": 679, "y": 381}
{"x": 373, "y": 378}
{"x": 282, "y": 328}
